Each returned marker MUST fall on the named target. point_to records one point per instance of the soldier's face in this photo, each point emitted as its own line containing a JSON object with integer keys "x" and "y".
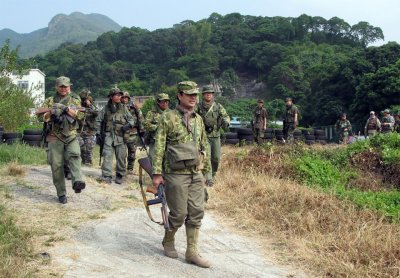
{"x": 188, "y": 101}
{"x": 208, "y": 97}
{"x": 116, "y": 98}
{"x": 163, "y": 104}
{"x": 124, "y": 100}
{"x": 63, "y": 90}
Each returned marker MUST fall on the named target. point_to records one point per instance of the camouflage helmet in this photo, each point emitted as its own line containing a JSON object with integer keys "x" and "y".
{"x": 162, "y": 96}
{"x": 188, "y": 88}
{"x": 85, "y": 93}
{"x": 114, "y": 91}
{"x": 63, "y": 81}
{"x": 208, "y": 89}
{"x": 386, "y": 111}
{"x": 126, "y": 94}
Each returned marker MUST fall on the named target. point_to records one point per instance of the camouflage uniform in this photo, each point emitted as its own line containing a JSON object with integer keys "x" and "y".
{"x": 372, "y": 126}
{"x": 132, "y": 136}
{"x": 260, "y": 122}
{"x": 87, "y": 129}
{"x": 62, "y": 143}
{"x": 114, "y": 117}
{"x": 289, "y": 124}
{"x": 397, "y": 124}
{"x": 184, "y": 187}
{"x": 214, "y": 117}
{"x": 387, "y": 122}
{"x": 343, "y": 129}
{"x": 151, "y": 123}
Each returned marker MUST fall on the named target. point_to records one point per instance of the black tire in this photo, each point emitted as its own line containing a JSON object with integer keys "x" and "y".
{"x": 33, "y": 137}
{"x": 278, "y": 131}
{"x": 247, "y": 138}
{"x": 310, "y": 137}
{"x": 33, "y": 132}
{"x": 269, "y": 130}
{"x": 34, "y": 143}
{"x": 309, "y": 142}
{"x": 269, "y": 136}
{"x": 298, "y": 138}
{"x": 231, "y": 135}
{"x": 319, "y": 132}
{"x": 244, "y": 131}
{"x": 297, "y": 133}
{"x": 12, "y": 141}
{"x": 321, "y": 137}
{"x": 279, "y": 137}
{"x": 11, "y": 135}
{"x": 307, "y": 132}
{"x": 232, "y": 141}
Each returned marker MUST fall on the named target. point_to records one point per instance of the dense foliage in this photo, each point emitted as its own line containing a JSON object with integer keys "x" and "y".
{"x": 325, "y": 65}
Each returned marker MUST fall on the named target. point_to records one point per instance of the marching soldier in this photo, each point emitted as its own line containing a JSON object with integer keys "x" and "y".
{"x": 61, "y": 138}
{"x": 214, "y": 117}
{"x": 373, "y": 125}
{"x": 387, "y": 122}
{"x": 291, "y": 120}
{"x": 114, "y": 121}
{"x": 343, "y": 129}
{"x": 180, "y": 160}
{"x": 397, "y": 122}
{"x": 260, "y": 122}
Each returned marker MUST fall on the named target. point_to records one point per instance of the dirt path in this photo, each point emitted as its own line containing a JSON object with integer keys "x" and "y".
{"x": 105, "y": 232}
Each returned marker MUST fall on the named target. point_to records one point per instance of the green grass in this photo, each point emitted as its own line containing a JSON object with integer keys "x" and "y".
{"x": 22, "y": 154}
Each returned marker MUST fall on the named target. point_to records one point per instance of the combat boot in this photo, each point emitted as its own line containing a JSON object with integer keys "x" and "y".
{"x": 169, "y": 244}
{"x": 119, "y": 179}
{"x": 192, "y": 255}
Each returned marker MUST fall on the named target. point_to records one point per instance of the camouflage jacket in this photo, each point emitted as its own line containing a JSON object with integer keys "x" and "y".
{"x": 152, "y": 121}
{"x": 113, "y": 122}
{"x": 387, "y": 123}
{"x": 63, "y": 128}
{"x": 290, "y": 112}
{"x": 341, "y": 126}
{"x": 372, "y": 123}
{"x": 172, "y": 131}
{"x": 214, "y": 117}
{"x": 138, "y": 118}
{"x": 260, "y": 118}
{"x": 87, "y": 126}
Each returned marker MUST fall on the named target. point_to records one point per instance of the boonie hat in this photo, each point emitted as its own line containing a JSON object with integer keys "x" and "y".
{"x": 115, "y": 91}
{"x": 188, "y": 88}
{"x": 386, "y": 111}
{"x": 162, "y": 96}
{"x": 85, "y": 93}
{"x": 63, "y": 81}
{"x": 126, "y": 94}
{"x": 208, "y": 89}
{"x": 260, "y": 101}
{"x": 288, "y": 99}
{"x": 372, "y": 113}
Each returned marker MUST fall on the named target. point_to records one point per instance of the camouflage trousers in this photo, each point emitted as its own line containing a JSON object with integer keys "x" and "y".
{"x": 343, "y": 137}
{"x": 258, "y": 135}
{"x": 215, "y": 150}
{"x": 131, "y": 145}
{"x": 109, "y": 150}
{"x": 288, "y": 130}
{"x": 87, "y": 144}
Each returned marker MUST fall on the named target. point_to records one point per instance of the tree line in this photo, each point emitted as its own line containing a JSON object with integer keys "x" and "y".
{"x": 326, "y": 65}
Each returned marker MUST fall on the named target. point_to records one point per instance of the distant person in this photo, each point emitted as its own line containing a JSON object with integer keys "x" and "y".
{"x": 132, "y": 136}
{"x": 343, "y": 129}
{"x": 113, "y": 121}
{"x": 153, "y": 120}
{"x": 215, "y": 118}
{"x": 181, "y": 158}
{"x": 62, "y": 138}
{"x": 397, "y": 123}
{"x": 260, "y": 121}
{"x": 387, "y": 122}
{"x": 372, "y": 126}
{"x": 87, "y": 128}
{"x": 291, "y": 120}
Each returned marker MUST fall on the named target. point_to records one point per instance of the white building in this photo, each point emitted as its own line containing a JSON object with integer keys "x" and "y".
{"x": 32, "y": 81}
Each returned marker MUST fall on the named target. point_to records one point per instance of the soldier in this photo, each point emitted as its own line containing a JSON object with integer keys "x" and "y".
{"x": 260, "y": 121}
{"x": 397, "y": 122}
{"x": 343, "y": 129}
{"x": 153, "y": 119}
{"x": 372, "y": 126}
{"x": 387, "y": 122}
{"x": 291, "y": 120}
{"x": 87, "y": 128}
{"x": 214, "y": 118}
{"x": 114, "y": 120}
{"x": 180, "y": 160}
{"x": 61, "y": 138}
{"x": 131, "y": 136}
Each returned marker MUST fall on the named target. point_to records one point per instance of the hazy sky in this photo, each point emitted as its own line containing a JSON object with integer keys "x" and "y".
{"x": 30, "y": 15}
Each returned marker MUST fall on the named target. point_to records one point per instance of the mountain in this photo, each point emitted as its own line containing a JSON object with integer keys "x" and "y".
{"x": 74, "y": 28}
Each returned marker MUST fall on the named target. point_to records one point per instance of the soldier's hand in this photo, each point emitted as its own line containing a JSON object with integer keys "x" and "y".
{"x": 157, "y": 180}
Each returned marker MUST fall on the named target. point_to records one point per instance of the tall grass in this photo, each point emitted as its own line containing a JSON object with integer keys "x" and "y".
{"x": 332, "y": 237}
{"x": 22, "y": 154}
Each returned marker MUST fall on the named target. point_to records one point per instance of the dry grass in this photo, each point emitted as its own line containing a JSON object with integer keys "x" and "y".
{"x": 331, "y": 237}
{"x": 14, "y": 169}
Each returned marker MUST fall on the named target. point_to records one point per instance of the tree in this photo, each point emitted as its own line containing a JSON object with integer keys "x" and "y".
{"x": 366, "y": 34}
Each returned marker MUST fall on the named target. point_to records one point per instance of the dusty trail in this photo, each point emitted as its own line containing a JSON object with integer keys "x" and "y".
{"x": 105, "y": 232}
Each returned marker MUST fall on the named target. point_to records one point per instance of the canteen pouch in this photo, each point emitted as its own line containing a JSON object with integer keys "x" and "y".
{"x": 183, "y": 155}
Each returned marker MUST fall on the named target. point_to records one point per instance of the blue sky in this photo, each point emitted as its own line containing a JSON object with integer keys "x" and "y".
{"x": 30, "y": 15}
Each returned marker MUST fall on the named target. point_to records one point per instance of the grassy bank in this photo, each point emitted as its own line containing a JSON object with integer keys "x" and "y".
{"x": 265, "y": 191}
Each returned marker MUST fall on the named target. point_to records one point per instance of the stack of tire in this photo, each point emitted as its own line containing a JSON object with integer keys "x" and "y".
{"x": 320, "y": 137}
{"x": 11, "y": 137}
{"x": 32, "y": 137}
{"x": 230, "y": 138}
{"x": 279, "y": 136}
{"x": 269, "y": 135}
{"x": 1, "y": 134}
{"x": 245, "y": 135}
{"x": 297, "y": 135}
{"x": 309, "y": 137}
